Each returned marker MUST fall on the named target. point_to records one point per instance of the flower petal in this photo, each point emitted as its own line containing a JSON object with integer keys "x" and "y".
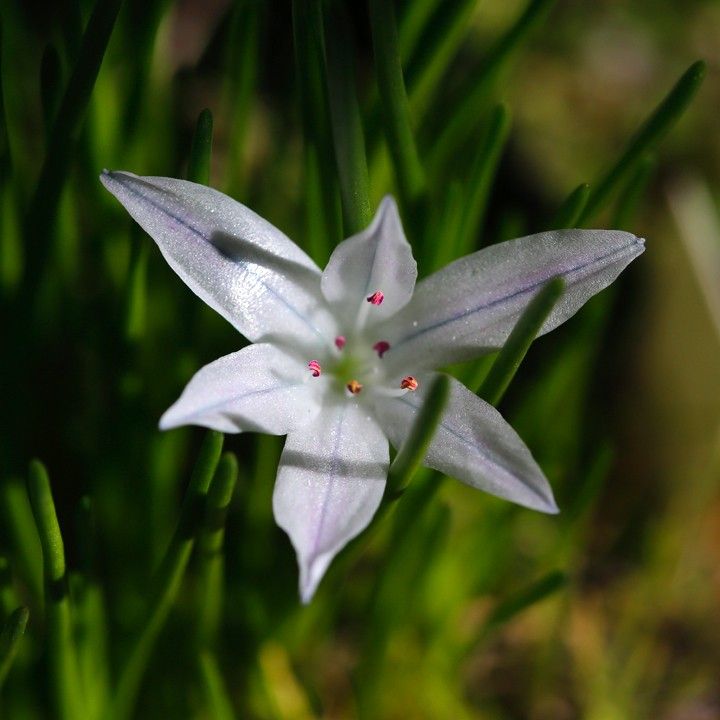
{"x": 330, "y": 482}
{"x": 238, "y": 263}
{"x": 378, "y": 258}
{"x": 259, "y": 388}
{"x": 470, "y": 306}
{"x": 472, "y": 443}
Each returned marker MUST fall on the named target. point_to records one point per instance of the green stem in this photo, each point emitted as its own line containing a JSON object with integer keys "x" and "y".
{"x": 322, "y": 208}
{"x": 569, "y": 212}
{"x": 63, "y": 138}
{"x": 465, "y": 117}
{"x": 412, "y": 452}
{"x": 12, "y": 632}
{"x": 394, "y": 103}
{"x": 633, "y": 192}
{"x": 201, "y": 149}
{"x": 62, "y": 655}
{"x": 481, "y": 179}
{"x": 650, "y": 133}
{"x": 516, "y": 346}
{"x": 210, "y": 550}
{"x": 169, "y": 576}
{"x": 347, "y": 126}
{"x": 217, "y": 698}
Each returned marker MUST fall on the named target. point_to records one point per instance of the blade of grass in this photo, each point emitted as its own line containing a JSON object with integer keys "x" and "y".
{"x": 167, "y": 581}
{"x": 650, "y": 133}
{"x": 201, "y": 149}
{"x": 218, "y": 702}
{"x": 412, "y": 452}
{"x": 90, "y": 617}
{"x": 50, "y": 86}
{"x": 569, "y": 212}
{"x": 63, "y": 672}
{"x": 464, "y": 118}
{"x": 322, "y": 207}
{"x": 439, "y": 44}
{"x": 12, "y": 632}
{"x": 347, "y": 127}
{"x": 526, "y": 598}
{"x": 242, "y": 59}
{"x": 394, "y": 104}
{"x": 63, "y": 138}
{"x": 481, "y": 179}
{"x": 18, "y": 520}
{"x": 516, "y": 346}
{"x": 633, "y": 192}
{"x": 210, "y": 550}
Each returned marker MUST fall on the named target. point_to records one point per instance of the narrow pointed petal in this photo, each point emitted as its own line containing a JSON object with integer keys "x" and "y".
{"x": 470, "y": 306}
{"x": 259, "y": 388}
{"x": 238, "y": 263}
{"x": 330, "y": 482}
{"x": 377, "y": 259}
{"x": 472, "y": 443}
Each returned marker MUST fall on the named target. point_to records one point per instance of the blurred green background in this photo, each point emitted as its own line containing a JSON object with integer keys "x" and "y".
{"x": 456, "y": 604}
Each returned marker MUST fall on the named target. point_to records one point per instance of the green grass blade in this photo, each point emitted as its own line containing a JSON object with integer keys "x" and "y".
{"x": 64, "y": 136}
{"x": 526, "y": 598}
{"x": 569, "y": 212}
{"x": 412, "y": 452}
{"x": 90, "y": 616}
{"x": 210, "y": 550}
{"x": 62, "y": 655}
{"x": 322, "y": 206}
{"x": 481, "y": 179}
{"x": 12, "y": 632}
{"x": 439, "y": 44}
{"x": 201, "y": 149}
{"x": 17, "y": 517}
{"x": 347, "y": 127}
{"x": 169, "y": 576}
{"x": 50, "y": 86}
{"x": 462, "y": 121}
{"x": 242, "y": 59}
{"x": 633, "y": 192}
{"x": 394, "y": 104}
{"x": 218, "y": 702}
{"x": 136, "y": 293}
{"x": 650, "y": 133}
{"x": 512, "y": 353}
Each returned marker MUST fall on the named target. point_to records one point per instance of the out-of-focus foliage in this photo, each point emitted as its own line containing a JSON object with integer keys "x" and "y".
{"x": 455, "y": 604}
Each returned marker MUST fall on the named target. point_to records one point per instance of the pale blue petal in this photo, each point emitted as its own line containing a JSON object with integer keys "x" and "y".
{"x": 238, "y": 263}
{"x": 330, "y": 482}
{"x": 472, "y": 443}
{"x": 469, "y": 307}
{"x": 259, "y": 388}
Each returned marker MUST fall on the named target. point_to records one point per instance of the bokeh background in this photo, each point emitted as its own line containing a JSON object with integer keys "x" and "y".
{"x": 455, "y": 605}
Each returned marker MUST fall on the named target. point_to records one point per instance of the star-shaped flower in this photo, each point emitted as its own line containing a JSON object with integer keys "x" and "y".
{"x": 341, "y": 359}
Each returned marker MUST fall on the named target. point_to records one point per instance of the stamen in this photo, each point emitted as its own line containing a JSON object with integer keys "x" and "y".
{"x": 315, "y": 368}
{"x": 409, "y": 383}
{"x": 354, "y": 387}
{"x": 340, "y": 342}
{"x": 381, "y": 347}
{"x": 376, "y": 298}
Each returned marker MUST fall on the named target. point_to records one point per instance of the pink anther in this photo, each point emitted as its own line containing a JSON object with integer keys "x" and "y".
{"x": 409, "y": 383}
{"x": 315, "y": 368}
{"x": 340, "y": 342}
{"x": 381, "y": 347}
{"x": 376, "y": 298}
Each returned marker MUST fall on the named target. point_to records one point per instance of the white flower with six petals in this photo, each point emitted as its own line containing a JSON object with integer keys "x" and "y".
{"x": 341, "y": 359}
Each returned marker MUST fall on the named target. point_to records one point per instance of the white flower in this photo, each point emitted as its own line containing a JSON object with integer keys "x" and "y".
{"x": 341, "y": 358}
